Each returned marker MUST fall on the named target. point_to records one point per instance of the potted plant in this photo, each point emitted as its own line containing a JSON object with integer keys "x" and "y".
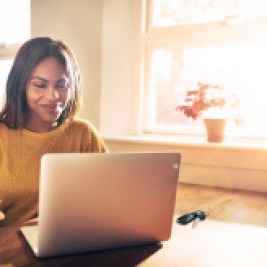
{"x": 215, "y": 104}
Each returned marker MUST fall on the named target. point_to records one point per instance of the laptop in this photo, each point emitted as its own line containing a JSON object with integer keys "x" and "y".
{"x": 94, "y": 201}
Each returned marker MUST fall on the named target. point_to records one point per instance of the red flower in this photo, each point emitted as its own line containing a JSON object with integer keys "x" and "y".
{"x": 204, "y": 97}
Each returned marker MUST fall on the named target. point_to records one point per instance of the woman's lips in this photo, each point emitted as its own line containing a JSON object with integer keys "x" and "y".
{"x": 52, "y": 108}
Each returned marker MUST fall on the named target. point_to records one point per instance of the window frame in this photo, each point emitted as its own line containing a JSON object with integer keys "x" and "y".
{"x": 9, "y": 50}
{"x": 228, "y": 31}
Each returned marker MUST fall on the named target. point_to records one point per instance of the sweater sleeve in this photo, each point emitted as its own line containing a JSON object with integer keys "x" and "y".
{"x": 92, "y": 141}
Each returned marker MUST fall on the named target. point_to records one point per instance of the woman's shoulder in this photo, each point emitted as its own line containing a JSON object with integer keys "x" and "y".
{"x": 2, "y": 126}
{"x": 5, "y": 129}
{"x": 90, "y": 138}
{"x": 79, "y": 124}
{"x": 7, "y": 133}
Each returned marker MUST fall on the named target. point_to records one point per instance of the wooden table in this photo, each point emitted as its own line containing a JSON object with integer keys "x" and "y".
{"x": 211, "y": 244}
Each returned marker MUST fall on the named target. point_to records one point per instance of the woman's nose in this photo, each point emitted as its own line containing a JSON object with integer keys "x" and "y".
{"x": 52, "y": 93}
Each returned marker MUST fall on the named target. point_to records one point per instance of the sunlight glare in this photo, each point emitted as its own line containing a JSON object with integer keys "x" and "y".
{"x": 14, "y": 21}
{"x": 241, "y": 68}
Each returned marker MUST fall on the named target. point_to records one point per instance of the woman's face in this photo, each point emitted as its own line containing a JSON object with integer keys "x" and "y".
{"x": 47, "y": 93}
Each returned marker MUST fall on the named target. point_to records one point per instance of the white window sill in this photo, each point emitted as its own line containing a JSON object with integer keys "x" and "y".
{"x": 231, "y": 143}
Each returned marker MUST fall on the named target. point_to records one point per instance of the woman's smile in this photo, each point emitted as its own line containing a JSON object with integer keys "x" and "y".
{"x": 51, "y": 108}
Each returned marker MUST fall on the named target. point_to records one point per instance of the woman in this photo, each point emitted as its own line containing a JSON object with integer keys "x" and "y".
{"x": 38, "y": 117}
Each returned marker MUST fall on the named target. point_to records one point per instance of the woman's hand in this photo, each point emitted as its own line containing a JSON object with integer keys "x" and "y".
{"x": 2, "y": 215}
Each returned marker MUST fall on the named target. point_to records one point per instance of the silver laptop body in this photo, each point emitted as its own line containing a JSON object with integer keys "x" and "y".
{"x": 91, "y": 201}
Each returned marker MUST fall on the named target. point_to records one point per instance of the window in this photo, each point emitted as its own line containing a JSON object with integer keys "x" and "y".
{"x": 14, "y": 30}
{"x": 217, "y": 41}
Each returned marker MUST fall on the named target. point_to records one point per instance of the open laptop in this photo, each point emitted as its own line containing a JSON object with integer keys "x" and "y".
{"x": 93, "y": 201}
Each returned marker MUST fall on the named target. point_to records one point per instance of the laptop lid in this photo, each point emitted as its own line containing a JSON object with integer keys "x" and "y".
{"x": 92, "y": 201}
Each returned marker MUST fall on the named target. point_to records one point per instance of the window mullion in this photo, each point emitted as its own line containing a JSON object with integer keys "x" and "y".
{"x": 7, "y": 51}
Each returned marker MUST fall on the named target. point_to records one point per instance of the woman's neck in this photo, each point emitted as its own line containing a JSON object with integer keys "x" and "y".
{"x": 40, "y": 127}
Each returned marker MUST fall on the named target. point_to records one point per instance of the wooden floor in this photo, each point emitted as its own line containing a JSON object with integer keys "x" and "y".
{"x": 223, "y": 204}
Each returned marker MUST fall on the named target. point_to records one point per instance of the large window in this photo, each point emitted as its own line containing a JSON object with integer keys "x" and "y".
{"x": 216, "y": 41}
{"x": 14, "y": 30}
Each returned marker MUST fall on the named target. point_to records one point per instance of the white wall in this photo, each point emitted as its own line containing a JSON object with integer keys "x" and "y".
{"x": 79, "y": 24}
{"x": 119, "y": 98}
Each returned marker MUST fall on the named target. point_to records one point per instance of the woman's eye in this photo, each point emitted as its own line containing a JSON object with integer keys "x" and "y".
{"x": 40, "y": 85}
{"x": 62, "y": 86}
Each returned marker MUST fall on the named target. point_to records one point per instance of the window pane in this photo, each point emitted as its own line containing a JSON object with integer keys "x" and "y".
{"x": 175, "y": 12}
{"x": 14, "y": 21}
{"x": 240, "y": 67}
{"x": 5, "y": 66}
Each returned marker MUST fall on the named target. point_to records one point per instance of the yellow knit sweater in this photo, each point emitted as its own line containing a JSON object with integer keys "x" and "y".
{"x": 20, "y": 153}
